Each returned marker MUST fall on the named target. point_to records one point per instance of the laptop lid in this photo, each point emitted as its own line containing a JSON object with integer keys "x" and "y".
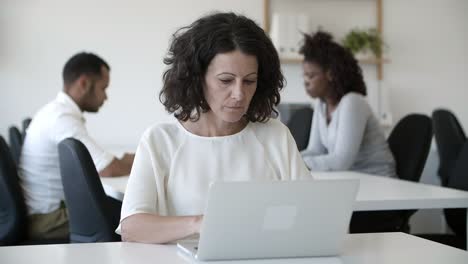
{"x": 276, "y": 219}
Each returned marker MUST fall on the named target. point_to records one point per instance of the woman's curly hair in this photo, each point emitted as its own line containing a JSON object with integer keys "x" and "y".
{"x": 191, "y": 51}
{"x": 334, "y": 58}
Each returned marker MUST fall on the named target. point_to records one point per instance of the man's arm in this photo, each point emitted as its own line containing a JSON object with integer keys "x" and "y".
{"x": 118, "y": 167}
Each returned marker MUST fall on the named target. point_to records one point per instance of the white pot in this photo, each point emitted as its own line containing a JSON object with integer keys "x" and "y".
{"x": 364, "y": 55}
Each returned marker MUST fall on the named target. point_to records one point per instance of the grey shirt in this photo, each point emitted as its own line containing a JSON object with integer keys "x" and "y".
{"x": 353, "y": 140}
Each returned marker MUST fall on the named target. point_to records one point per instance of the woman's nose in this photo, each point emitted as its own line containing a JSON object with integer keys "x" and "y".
{"x": 238, "y": 92}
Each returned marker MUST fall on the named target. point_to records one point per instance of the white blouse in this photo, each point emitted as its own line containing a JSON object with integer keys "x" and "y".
{"x": 173, "y": 168}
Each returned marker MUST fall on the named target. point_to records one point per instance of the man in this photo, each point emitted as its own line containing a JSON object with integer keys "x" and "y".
{"x": 85, "y": 80}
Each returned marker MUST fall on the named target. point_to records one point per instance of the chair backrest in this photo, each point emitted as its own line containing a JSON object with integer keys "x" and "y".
{"x": 458, "y": 179}
{"x": 410, "y": 142}
{"x": 449, "y": 137}
{"x": 25, "y": 125}
{"x": 300, "y": 125}
{"x": 13, "y": 213}
{"x": 16, "y": 143}
{"x": 87, "y": 204}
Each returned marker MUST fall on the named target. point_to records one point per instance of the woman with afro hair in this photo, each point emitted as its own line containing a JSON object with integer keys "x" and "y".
{"x": 345, "y": 134}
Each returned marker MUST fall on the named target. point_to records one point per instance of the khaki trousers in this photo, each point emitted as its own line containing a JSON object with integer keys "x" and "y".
{"x": 53, "y": 225}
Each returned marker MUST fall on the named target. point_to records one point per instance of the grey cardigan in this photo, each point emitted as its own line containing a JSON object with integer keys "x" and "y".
{"x": 353, "y": 140}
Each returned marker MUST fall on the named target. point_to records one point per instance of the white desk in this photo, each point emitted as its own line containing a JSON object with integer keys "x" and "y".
{"x": 383, "y": 193}
{"x": 375, "y": 192}
{"x": 115, "y": 186}
{"x": 358, "y": 249}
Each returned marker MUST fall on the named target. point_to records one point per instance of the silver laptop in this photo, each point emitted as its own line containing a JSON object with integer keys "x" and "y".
{"x": 279, "y": 219}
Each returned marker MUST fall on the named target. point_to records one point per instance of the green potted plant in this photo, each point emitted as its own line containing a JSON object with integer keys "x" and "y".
{"x": 362, "y": 42}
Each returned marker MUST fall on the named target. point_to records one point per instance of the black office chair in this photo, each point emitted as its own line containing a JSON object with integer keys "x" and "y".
{"x": 93, "y": 216}
{"x": 13, "y": 212}
{"x": 300, "y": 125}
{"x": 25, "y": 125}
{"x": 409, "y": 142}
{"x": 16, "y": 143}
{"x": 449, "y": 137}
{"x": 455, "y": 218}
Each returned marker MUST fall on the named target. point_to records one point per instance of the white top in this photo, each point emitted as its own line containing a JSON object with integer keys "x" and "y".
{"x": 372, "y": 248}
{"x": 173, "y": 168}
{"x": 39, "y": 168}
{"x": 353, "y": 140}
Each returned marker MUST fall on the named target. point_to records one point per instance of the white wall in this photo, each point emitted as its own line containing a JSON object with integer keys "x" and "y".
{"x": 429, "y": 54}
{"x": 427, "y": 40}
{"x": 335, "y": 16}
{"x": 37, "y": 37}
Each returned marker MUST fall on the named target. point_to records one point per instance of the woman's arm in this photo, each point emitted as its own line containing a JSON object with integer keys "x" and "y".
{"x": 151, "y": 228}
{"x": 294, "y": 161}
{"x": 352, "y": 122}
{"x": 143, "y": 209}
{"x": 315, "y": 146}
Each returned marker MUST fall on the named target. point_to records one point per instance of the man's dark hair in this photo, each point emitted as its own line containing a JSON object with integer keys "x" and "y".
{"x": 334, "y": 58}
{"x": 82, "y": 63}
{"x": 191, "y": 51}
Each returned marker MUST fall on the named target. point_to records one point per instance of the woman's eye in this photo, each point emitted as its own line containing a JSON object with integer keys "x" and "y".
{"x": 226, "y": 81}
{"x": 250, "y": 81}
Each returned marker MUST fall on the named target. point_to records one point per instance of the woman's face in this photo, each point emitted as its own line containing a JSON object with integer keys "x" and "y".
{"x": 230, "y": 84}
{"x": 316, "y": 81}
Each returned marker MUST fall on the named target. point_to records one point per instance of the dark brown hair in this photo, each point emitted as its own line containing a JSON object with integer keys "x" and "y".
{"x": 346, "y": 74}
{"x": 82, "y": 63}
{"x": 191, "y": 51}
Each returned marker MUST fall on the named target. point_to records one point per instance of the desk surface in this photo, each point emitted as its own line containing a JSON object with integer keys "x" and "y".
{"x": 359, "y": 249}
{"x": 375, "y": 192}
{"x": 383, "y": 193}
{"x": 115, "y": 186}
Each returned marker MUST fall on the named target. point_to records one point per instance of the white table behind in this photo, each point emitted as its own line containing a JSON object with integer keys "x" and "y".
{"x": 383, "y": 193}
{"x": 375, "y": 192}
{"x": 115, "y": 186}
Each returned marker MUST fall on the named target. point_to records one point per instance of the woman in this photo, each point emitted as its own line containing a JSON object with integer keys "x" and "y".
{"x": 222, "y": 84}
{"x": 345, "y": 134}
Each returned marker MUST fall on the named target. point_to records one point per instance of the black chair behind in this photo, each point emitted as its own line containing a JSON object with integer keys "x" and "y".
{"x": 93, "y": 216}
{"x": 16, "y": 143}
{"x": 409, "y": 142}
{"x": 300, "y": 125}
{"x": 13, "y": 213}
{"x": 449, "y": 137}
{"x": 455, "y": 218}
{"x": 12, "y": 207}
{"x": 458, "y": 179}
{"x": 25, "y": 125}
